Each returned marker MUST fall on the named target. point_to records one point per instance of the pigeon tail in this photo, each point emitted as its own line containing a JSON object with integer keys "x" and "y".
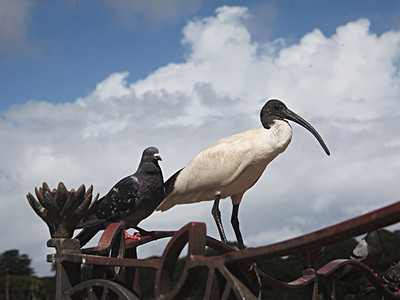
{"x": 88, "y": 233}
{"x": 88, "y": 221}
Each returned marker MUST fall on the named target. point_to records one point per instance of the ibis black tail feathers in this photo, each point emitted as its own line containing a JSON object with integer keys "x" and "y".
{"x": 169, "y": 184}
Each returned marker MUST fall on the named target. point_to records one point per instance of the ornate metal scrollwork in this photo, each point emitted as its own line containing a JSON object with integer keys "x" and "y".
{"x": 115, "y": 264}
{"x": 61, "y": 209}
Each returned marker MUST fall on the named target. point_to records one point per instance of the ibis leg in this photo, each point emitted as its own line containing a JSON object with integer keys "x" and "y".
{"x": 239, "y": 238}
{"x": 235, "y": 225}
{"x": 217, "y": 217}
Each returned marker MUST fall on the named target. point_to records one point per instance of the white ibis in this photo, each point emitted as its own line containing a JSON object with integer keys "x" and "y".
{"x": 232, "y": 165}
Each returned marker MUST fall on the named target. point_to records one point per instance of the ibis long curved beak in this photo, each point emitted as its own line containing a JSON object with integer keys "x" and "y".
{"x": 288, "y": 114}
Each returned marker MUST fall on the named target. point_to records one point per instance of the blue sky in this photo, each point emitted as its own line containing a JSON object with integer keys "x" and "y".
{"x": 87, "y": 85}
{"x": 67, "y": 47}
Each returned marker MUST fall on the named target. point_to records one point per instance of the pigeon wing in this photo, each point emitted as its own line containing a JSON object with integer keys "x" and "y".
{"x": 392, "y": 275}
{"x": 120, "y": 200}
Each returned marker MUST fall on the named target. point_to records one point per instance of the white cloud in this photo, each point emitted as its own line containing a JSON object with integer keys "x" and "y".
{"x": 347, "y": 85}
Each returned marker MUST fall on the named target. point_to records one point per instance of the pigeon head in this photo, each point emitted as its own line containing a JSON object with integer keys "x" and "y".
{"x": 275, "y": 109}
{"x": 151, "y": 153}
{"x": 373, "y": 238}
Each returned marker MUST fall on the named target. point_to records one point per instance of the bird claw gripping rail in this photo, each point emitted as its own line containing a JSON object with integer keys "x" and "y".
{"x": 230, "y": 273}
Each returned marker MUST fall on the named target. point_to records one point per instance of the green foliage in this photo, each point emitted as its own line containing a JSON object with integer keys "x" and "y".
{"x": 16, "y": 278}
{"x": 12, "y": 263}
{"x": 146, "y": 282}
{"x": 49, "y": 285}
{"x": 391, "y": 253}
{"x": 22, "y": 288}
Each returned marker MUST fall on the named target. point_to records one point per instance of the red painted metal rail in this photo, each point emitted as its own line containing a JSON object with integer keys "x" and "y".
{"x": 114, "y": 263}
{"x": 230, "y": 267}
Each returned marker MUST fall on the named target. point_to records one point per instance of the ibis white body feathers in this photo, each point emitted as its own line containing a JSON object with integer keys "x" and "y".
{"x": 230, "y": 166}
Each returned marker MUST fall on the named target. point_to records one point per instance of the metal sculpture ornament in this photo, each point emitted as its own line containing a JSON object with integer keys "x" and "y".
{"x": 61, "y": 209}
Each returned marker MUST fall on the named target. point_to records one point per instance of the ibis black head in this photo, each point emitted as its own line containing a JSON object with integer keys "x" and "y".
{"x": 276, "y": 110}
{"x": 151, "y": 153}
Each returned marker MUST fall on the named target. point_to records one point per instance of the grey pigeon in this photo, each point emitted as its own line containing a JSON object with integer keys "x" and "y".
{"x": 392, "y": 277}
{"x": 131, "y": 200}
{"x": 369, "y": 249}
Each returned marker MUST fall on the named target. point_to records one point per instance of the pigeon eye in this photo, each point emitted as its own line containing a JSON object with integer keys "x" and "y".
{"x": 146, "y": 153}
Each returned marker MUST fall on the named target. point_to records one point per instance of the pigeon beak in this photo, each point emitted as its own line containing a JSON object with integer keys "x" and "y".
{"x": 157, "y": 156}
{"x": 288, "y": 114}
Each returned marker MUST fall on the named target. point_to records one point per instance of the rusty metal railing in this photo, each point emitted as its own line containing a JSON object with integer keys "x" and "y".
{"x": 115, "y": 266}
